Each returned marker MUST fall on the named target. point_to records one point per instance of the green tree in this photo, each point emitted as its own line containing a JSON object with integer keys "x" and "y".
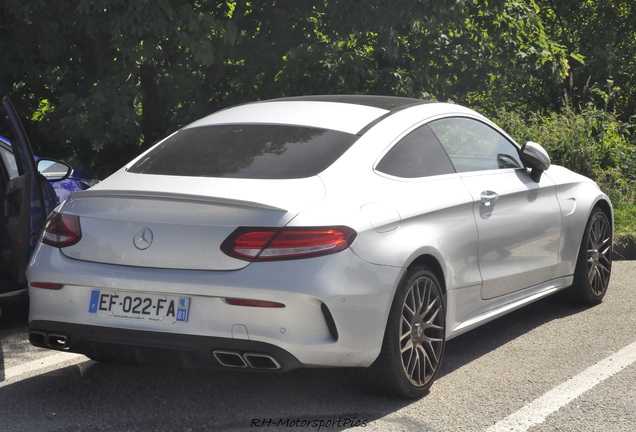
{"x": 602, "y": 33}
{"x": 102, "y": 81}
{"x": 469, "y": 51}
{"x": 102, "y": 77}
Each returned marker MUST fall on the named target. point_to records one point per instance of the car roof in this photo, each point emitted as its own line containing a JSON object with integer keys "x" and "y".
{"x": 389, "y": 103}
{"x": 347, "y": 113}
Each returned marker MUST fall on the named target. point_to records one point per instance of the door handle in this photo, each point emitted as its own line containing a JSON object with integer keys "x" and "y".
{"x": 488, "y": 197}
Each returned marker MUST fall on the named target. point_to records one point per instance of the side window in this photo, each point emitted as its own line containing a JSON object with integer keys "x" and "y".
{"x": 475, "y": 146}
{"x": 419, "y": 154}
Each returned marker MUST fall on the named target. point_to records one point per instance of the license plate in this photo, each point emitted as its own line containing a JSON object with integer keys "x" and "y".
{"x": 139, "y": 306}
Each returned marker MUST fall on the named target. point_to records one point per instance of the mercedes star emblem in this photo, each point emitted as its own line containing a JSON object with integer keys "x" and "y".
{"x": 143, "y": 239}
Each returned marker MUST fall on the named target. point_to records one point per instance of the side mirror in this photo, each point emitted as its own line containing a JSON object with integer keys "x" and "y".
{"x": 53, "y": 170}
{"x": 536, "y": 158}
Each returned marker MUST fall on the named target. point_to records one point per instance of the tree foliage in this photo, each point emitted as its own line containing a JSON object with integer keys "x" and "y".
{"x": 601, "y": 35}
{"x": 103, "y": 80}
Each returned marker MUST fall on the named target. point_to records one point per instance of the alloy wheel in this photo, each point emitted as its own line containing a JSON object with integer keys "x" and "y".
{"x": 599, "y": 254}
{"x": 422, "y": 331}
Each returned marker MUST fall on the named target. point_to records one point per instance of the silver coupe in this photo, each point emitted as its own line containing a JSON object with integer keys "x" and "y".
{"x": 318, "y": 231}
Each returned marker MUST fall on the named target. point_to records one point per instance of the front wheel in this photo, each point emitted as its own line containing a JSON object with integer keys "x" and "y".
{"x": 414, "y": 339}
{"x": 594, "y": 263}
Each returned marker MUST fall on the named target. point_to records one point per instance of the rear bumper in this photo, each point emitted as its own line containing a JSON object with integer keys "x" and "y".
{"x": 335, "y": 312}
{"x": 146, "y": 347}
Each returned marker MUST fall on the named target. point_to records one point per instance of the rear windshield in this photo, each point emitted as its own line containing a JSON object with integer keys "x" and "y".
{"x": 257, "y": 151}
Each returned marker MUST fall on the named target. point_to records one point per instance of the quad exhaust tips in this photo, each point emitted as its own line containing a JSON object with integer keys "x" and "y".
{"x": 236, "y": 359}
{"x": 227, "y": 358}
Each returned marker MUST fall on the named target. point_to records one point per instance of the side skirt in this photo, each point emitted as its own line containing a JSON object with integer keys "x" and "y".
{"x": 460, "y": 321}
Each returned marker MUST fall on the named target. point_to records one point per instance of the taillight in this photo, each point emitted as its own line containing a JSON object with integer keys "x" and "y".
{"x": 270, "y": 244}
{"x": 61, "y": 230}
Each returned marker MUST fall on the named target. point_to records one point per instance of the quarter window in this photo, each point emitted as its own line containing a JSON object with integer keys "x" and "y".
{"x": 475, "y": 146}
{"x": 418, "y": 154}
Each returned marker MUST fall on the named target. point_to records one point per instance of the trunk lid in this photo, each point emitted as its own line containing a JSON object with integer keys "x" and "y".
{"x": 179, "y": 222}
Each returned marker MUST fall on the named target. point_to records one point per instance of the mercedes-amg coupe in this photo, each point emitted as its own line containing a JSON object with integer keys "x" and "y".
{"x": 317, "y": 231}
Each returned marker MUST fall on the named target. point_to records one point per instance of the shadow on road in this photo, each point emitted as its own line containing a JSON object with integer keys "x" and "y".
{"x": 480, "y": 341}
{"x": 13, "y": 315}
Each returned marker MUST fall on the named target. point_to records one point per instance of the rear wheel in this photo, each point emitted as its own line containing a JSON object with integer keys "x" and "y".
{"x": 414, "y": 339}
{"x": 594, "y": 263}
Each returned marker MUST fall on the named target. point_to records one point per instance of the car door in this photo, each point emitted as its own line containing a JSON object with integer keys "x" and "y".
{"x": 23, "y": 208}
{"x": 518, "y": 219}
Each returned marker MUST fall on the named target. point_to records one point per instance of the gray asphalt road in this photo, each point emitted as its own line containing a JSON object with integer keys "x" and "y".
{"x": 541, "y": 368}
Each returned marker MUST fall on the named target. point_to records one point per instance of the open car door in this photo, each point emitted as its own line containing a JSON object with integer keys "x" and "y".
{"x": 24, "y": 211}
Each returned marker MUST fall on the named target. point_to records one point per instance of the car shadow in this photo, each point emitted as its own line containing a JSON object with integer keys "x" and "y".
{"x": 108, "y": 397}
{"x": 488, "y": 337}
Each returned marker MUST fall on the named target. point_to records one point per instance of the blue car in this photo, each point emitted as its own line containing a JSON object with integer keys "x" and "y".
{"x": 77, "y": 180}
{"x": 31, "y": 187}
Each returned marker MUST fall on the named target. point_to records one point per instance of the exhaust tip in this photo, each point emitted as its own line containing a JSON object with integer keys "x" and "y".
{"x": 230, "y": 359}
{"x": 261, "y": 361}
{"x": 57, "y": 341}
{"x": 37, "y": 338}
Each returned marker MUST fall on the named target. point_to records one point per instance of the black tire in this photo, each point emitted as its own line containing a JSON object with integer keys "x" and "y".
{"x": 414, "y": 339}
{"x": 594, "y": 262}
